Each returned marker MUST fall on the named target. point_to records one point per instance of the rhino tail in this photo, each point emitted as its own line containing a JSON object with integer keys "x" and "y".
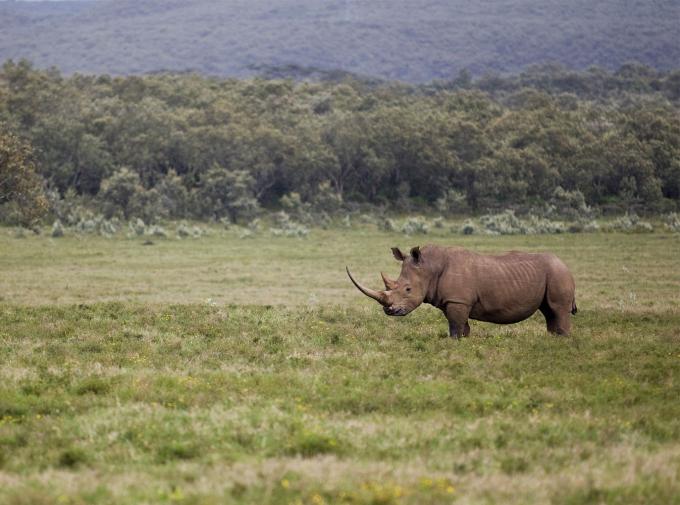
{"x": 574, "y": 309}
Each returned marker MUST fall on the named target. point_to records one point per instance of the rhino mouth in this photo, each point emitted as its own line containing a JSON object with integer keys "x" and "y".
{"x": 395, "y": 311}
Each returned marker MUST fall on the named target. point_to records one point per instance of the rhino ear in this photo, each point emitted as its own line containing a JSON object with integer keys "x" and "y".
{"x": 398, "y": 255}
{"x": 415, "y": 254}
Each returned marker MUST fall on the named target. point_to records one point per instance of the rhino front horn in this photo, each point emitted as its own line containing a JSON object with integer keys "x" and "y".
{"x": 378, "y": 296}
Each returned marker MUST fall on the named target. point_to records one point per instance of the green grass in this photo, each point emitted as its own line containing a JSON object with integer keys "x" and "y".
{"x": 155, "y": 395}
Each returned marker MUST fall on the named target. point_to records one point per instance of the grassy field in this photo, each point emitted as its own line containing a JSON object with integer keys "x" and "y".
{"x": 221, "y": 370}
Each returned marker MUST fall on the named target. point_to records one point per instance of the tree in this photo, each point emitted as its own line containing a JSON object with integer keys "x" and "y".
{"x": 174, "y": 195}
{"x": 228, "y": 193}
{"x": 118, "y": 193}
{"x": 20, "y": 185}
{"x": 354, "y": 163}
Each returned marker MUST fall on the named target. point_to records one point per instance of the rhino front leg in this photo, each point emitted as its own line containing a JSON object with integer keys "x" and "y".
{"x": 454, "y": 331}
{"x": 457, "y": 315}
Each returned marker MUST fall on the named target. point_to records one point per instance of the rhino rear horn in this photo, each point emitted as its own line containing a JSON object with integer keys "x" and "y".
{"x": 389, "y": 283}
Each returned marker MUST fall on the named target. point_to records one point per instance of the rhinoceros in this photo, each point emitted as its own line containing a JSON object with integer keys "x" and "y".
{"x": 503, "y": 289}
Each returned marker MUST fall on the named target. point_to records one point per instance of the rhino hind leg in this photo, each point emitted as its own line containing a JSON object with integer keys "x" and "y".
{"x": 557, "y": 320}
{"x": 559, "y": 301}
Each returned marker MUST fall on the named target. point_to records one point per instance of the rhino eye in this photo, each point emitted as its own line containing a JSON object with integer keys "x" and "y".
{"x": 408, "y": 290}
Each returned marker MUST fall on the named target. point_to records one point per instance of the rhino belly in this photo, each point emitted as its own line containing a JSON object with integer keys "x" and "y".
{"x": 506, "y": 306}
{"x": 503, "y": 315}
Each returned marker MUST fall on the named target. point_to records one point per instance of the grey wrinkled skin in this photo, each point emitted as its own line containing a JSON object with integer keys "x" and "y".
{"x": 503, "y": 289}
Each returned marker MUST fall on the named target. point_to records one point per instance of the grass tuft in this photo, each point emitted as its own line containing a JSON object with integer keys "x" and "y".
{"x": 72, "y": 457}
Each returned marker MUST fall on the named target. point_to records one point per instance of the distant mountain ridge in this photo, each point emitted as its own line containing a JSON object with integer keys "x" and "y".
{"x": 390, "y": 39}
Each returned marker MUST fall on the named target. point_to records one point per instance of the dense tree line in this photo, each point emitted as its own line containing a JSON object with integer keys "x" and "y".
{"x": 186, "y": 145}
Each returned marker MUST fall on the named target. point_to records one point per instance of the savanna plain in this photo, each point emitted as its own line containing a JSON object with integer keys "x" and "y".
{"x": 227, "y": 370}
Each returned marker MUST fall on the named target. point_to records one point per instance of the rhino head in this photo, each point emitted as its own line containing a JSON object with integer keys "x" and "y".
{"x": 405, "y": 294}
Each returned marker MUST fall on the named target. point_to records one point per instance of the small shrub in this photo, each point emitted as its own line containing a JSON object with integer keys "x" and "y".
{"x": 387, "y": 225}
{"x": 294, "y": 206}
{"x": 157, "y": 231}
{"x": 314, "y": 213}
{"x": 108, "y": 227}
{"x": 89, "y": 223}
{"x": 631, "y": 223}
{"x": 246, "y": 233}
{"x": 285, "y": 227}
{"x": 591, "y": 227}
{"x": 57, "y": 229}
{"x": 452, "y": 202}
{"x": 86, "y": 226}
{"x": 571, "y": 204}
{"x": 438, "y": 222}
{"x": 147, "y": 205}
{"x": 468, "y": 228}
{"x": 183, "y": 230}
{"x": 584, "y": 227}
{"x": 505, "y": 223}
{"x": 415, "y": 226}
{"x": 281, "y": 219}
{"x": 68, "y": 208}
{"x": 321, "y": 218}
{"x": 672, "y": 222}
{"x": 299, "y": 231}
{"x": 541, "y": 226}
{"x": 136, "y": 228}
{"x": 326, "y": 199}
{"x": 367, "y": 219}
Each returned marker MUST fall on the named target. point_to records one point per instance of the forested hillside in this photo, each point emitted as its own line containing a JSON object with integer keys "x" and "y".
{"x": 190, "y": 146}
{"x": 391, "y": 39}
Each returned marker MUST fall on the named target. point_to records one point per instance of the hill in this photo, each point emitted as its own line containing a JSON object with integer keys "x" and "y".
{"x": 395, "y": 39}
